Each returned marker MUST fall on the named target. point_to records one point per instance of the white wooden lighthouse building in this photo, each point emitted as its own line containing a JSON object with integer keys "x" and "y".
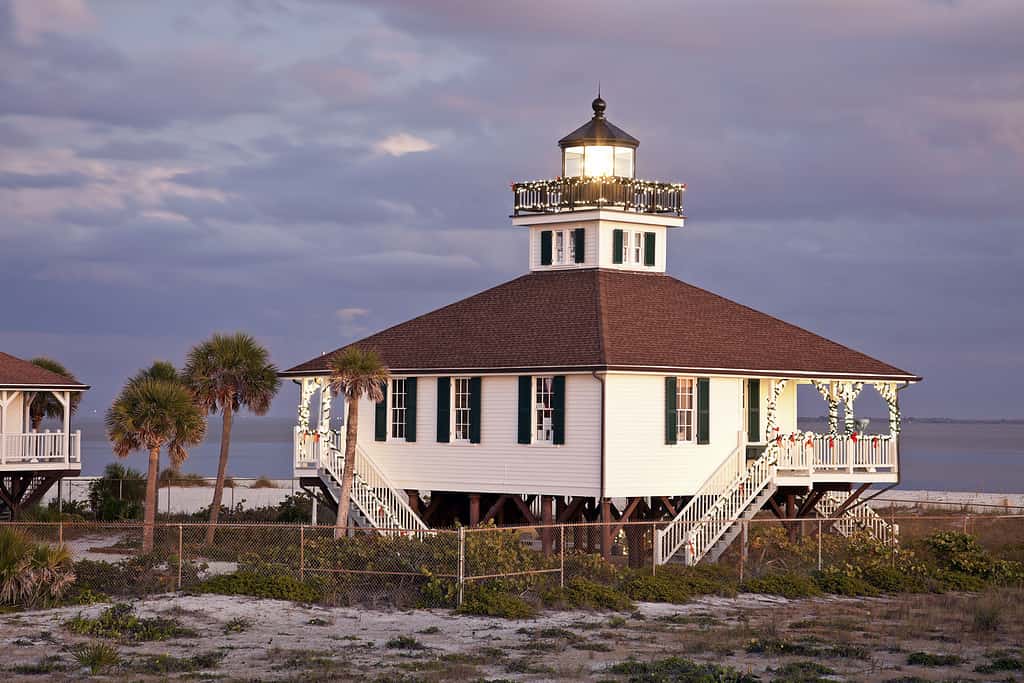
{"x": 597, "y": 387}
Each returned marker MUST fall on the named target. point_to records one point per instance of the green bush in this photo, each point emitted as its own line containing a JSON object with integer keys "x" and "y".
{"x": 118, "y": 494}
{"x": 136, "y": 576}
{"x": 964, "y": 565}
{"x": 677, "y": 584}
{"x": 787, "y": 584}
{"x": 274, "y": 586}
{"x": 32, "y": 574}
{"x": 929, "y": 659}
{"x": 121, "y": 623}
{"x": 491, "y": 601}
{"x": 843, "y": 581}
{"x": 678, "y": 669}
{"x": 96, "y": 657}
{"x": 581, "y": 592}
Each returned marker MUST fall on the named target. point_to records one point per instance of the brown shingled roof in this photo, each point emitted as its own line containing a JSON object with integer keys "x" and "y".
{"x": 15, "y": 372}
{"x": 609, "y": 319}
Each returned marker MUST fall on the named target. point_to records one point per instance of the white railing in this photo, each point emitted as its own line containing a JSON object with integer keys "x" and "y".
{"x": 720, "y": 500}
{"x": 310, "y": 447}
{"x": 372, "y": 492}
{"x": 838, "y": 453}
{"x": 856, "y": 518}
{"x": 41, "y": 450}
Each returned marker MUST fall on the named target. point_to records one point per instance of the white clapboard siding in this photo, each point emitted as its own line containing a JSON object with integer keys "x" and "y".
{"x": 14, "y": 413}
{"x": 606, "y": 258}
{"x": 497, "y": 464}
{"x": 589, "y": 245}
{"x": 638, "y": 461}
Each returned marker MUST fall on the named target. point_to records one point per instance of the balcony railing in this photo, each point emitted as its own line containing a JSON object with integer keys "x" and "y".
{"x": 839, "y": 453}
{"x": 581, "y": 193}
{"x": 41, "y": 450}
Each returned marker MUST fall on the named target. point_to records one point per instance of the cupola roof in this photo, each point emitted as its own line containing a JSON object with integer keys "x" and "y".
{"x": 599, "y": 131}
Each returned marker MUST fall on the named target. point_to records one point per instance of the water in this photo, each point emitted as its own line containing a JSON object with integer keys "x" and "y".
{"x": 951, "y": 456}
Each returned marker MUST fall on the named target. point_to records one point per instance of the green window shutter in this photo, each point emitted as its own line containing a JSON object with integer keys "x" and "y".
{"x": 648, "y": 248}
{"x": 545, "y": 248}
{"x": 410, "y": 409}
{"x": 579, "y": 240}
{"x": 703, "y": 410}
{"x": 525, "y": 396}
{"x": 754, "y": 410}
{"x": 558, "y": 409}
{"x": 444, "y": 409}
{"x": 616, "y": 246}
{"x": 671, "y": 428}
{"x": 474, "y": 409}
{"x": 380, "y": 416}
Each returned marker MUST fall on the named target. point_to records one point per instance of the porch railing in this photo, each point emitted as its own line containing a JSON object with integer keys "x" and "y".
{"x": 581, "y": 193}
{"x": 41, "y": 449}
{"x": 310, "y": 447}
{"x": 837, "y": 453}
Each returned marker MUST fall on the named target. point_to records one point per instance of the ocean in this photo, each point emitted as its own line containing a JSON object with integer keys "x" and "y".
{"x": 949, "y": 456}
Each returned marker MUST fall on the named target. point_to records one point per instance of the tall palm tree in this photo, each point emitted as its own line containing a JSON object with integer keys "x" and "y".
{"x": 149, "y": 414}
{"x": 355, "y": 373}
{"x": 229, "y": 372}
{"x": 46, "y": 404}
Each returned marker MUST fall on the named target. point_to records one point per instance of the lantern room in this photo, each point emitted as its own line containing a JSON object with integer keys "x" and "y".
{"x": 598, "y": 148}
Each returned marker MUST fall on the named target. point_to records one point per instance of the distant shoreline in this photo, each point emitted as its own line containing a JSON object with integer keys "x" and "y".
{"x": 930, "y": 420}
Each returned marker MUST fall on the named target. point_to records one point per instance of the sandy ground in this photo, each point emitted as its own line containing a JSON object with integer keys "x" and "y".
{"x": 859, "y": 639}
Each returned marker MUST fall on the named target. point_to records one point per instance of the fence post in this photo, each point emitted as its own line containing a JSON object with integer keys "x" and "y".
{"x": 561, "y": 553}
{"x": 462, "y": 562}
{"x": 966, "y": 517}
{"x": 302, "y": 552}
{"x": 181, "y": 555}
{"x": 819, "y": 544}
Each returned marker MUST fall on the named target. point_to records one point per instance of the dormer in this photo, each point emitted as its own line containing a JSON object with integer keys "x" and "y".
{"x": 597, "y": 214}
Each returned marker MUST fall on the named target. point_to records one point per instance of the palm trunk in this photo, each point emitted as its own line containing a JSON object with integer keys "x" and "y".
{"x": 344, "y": 498}
{"x": 150, "y": 516}
{"x": 218, "y": 489}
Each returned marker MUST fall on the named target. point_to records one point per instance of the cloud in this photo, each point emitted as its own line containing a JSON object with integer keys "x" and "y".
{"x": 127, "y": 150}
{"x": 33, "y": 18}
{"x": 349, "y": 321}
{"x": 28, "y": 181}
{"x": 401, "y": 144}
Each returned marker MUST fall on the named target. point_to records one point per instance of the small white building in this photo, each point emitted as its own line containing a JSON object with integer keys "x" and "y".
{"x": 32, "y": 461}
{"x": 597, "y": 387}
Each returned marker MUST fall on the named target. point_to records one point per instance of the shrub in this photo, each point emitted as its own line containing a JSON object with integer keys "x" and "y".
{"x": 274, "y": 586}
{"x": 843, "y": 581}
{"x": 32, "y": 574}
{"x": 676, "y": 584}
{"x": 961, "y": 558}
{"x": 173, "y": 477}
{"x": 929, "y": 659}
{"x": 165, "y": 664}
{"x": 137, "y": 575}
{"x": 1000, "y": 662}
{"x": 263, "y": 482}
{"x": 491, "y": 601}
{"x": 802, "y": 672}
{"x": 787, "y": 584}
{"x": 405, "y": 643}
{"x": 118, "y": 494}
{"x": 97, "y": 657}
{"x": 678, "y": 669}
{"x": 120, "y": 622}
{"x": 581, "y": 592}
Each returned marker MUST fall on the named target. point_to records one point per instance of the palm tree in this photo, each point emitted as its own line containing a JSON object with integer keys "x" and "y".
{"x": 149, "y": 414}
{"x": 229, "y": 372}
{"x": 46, "y": 404}
{"x": 355, "y": 373}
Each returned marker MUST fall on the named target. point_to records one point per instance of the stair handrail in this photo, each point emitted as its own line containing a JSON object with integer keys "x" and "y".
{"x": 728, "y": 476}
{"x": 375, "y": 478}
{"x": 862, "y": 515}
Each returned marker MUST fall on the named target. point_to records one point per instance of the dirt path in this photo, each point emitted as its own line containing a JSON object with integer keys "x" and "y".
{"x": 253, "y": 639}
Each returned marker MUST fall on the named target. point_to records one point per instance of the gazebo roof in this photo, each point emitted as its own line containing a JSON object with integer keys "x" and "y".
{"x": 16, "y": 373}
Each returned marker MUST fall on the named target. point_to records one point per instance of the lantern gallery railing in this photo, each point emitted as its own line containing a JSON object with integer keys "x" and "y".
{"x": 825, "y": 453}
{"x": 582, "y": 193}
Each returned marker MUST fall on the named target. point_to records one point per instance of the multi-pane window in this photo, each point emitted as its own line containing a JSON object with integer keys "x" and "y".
{"x": 686, "y": 406}
{"x": 462, "y": 409}
{"x": 398, "y": 409}
{"x": 559, "y": 246}
{"x": 638, "y": 247}
{"x": 544, "y": 410}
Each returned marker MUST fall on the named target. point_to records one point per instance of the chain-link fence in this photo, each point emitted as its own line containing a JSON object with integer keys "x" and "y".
{"x": 406, "y": 568}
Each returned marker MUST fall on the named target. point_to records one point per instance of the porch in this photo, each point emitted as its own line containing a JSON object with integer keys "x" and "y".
{"x": 846, "y": 453}
{"x": 41, "y": 451}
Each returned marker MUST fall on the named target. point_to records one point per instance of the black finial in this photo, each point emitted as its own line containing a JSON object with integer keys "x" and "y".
{"x": 599, "y": 105}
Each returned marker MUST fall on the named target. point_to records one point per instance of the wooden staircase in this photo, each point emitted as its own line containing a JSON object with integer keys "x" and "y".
{"x": 858, "y": 518}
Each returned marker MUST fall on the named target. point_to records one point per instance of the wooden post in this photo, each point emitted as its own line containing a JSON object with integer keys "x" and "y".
{"x": 744, "y": 547}
{"x": 606, "y": 528}
{"x": 462, "y": 563}
{"x": 561, "y": 556}
{"x": 819, "y": 544}
{"x": 474, "y": 509}
{"x": 547, "y": 532}
{"x": 790, "y": 515}
{"x": 302, "y": 551}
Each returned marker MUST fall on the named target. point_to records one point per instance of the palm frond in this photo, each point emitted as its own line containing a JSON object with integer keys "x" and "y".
{"x": 231, "y": 369}
{"x": 358, "y": 372}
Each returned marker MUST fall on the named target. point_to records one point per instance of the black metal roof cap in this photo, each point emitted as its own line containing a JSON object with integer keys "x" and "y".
{"x": 599, "y": 131}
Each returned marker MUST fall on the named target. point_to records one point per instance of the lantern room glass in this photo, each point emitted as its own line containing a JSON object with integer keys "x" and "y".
{"x": 597, "y": 161}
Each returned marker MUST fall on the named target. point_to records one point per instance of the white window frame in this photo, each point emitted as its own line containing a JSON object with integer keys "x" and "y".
{"x": 682, "y": 384}
{"x": 538, "y": 409}
{"x": 559, "y": 255}
{"x": 457, "y": 384}
{"x": 394, "y": 408}
{"x": 638, "y": 248}
{"x": 563, "y": 247}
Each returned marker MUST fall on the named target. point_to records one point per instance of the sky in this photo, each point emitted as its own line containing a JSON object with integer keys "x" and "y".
{"x": 312, "y": 171}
